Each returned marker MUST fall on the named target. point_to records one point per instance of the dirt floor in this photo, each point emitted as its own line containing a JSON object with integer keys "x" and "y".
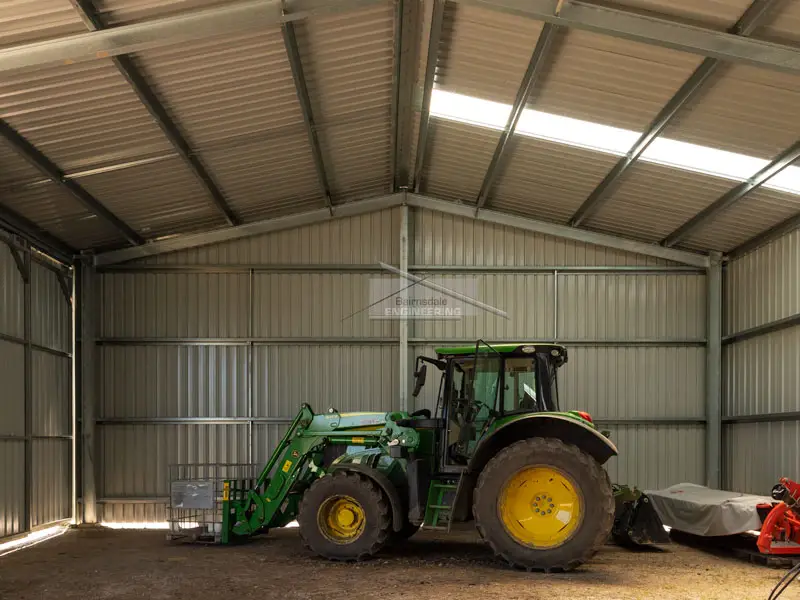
{"x": 95, "y": 564}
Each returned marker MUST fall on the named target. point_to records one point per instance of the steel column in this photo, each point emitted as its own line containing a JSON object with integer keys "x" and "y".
{"x": 28, "y": 391}
{"x": 87, "y": 304}
{"x": 293, "y": 52}
{"x": 778, "y": 164}
{"x": 714, "y": 373}
{"x": 403, "y": 323}
{"x": 541, "y": 54}
{"x": 48, "y": 168}
{"x": 434, "y": 37}
{"x": 748, "y": 22}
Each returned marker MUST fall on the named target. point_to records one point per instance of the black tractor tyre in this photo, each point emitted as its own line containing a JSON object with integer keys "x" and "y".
{"x": 591, "y": 482}
{"x": 377, "y": 517}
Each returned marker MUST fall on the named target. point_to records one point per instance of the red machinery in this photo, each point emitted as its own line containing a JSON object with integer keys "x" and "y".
{"x": 780, "y": 529}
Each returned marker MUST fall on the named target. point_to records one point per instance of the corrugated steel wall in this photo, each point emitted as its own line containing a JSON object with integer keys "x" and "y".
{"x": 761, "y": 362}
{"x": 36, "y": 408}
{"x": 206, "y": 353}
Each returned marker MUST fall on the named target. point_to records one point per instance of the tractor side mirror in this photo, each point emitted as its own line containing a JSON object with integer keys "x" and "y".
{"x": 420, "y": 380}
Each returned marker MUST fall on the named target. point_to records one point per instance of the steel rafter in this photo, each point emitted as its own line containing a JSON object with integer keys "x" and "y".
{"x": 48, "y": 168}
{"x": 778, "y": 164}
{"x": 148, "y": 98}
{"x": 434, "y": 37}
{"x": 541, "y": 54}
{"x": 293, "y": 52}
{"x": 750, "y": 19}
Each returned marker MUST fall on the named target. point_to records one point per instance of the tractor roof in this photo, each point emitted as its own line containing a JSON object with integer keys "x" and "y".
{"x": 509, "y": 349}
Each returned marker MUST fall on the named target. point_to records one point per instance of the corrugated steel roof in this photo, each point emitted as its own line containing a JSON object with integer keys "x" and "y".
{"x": 133, "y": 11}
{"x": 757, "y": 212}
{"x": 718, "y": 13}
{"x": 348, "y": 65}
{"x": 744, "y": 109}
{"x": 547, "y": 180}
{"x": 609, "y": 80}
{"x": 14, "y": 169}
{"x": 131, "y": 194}
{"x": 784, "y": 25}
{"x": 234, "y": 99}
{"x": 484, "y": 53}
{"x": 458, "y": 156}
{"x": 654, "y": 200}
{"x": 82, "y": 115}
{"x": 33, "y": 20}
{"x": 225, "y": 87}
{"x": 54, "y": 210}
{"x": 267, "y": 178}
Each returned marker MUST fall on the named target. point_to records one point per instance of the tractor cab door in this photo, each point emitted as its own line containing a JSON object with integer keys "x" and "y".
{"x": 471, "y": 401}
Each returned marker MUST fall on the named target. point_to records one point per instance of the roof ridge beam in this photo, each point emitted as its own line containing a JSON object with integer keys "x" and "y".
{"x": 746, "y": 24}
{"x": 541, "y": 54}
{"x": 464, "y": 209}
{"x": 155, "y": 107}
{"x": 713, "y": 210}
{"x": 296, "y": 63}
{"x": 434, "y": 37}
{"x": 34, "y": 156}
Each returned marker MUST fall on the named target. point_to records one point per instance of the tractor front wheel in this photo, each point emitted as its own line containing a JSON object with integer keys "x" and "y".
{"x": 544, "y": 505}
{"x": 344, "y": 516}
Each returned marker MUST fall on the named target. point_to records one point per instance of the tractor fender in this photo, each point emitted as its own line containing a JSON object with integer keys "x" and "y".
{"x": 398, "y": 512}
{"x": 566, "y": 429}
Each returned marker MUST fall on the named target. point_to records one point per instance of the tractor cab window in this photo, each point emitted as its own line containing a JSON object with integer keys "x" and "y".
{"x": 521, "y": 389}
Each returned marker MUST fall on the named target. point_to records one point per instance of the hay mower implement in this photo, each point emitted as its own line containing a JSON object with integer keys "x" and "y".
{"x": 496, "y": 450}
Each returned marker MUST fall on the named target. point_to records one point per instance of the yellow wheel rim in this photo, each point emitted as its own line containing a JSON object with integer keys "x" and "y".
{"x": 540, "y": 507}
{"x": 341, "y": 519}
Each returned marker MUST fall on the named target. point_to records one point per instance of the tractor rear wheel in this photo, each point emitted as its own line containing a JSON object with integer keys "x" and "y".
{"x": 344, "y": 516}
{"x": 543, "y": 505}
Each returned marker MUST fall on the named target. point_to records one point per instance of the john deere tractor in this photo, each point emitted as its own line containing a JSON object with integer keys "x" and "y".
{"x": 496, "y": 450}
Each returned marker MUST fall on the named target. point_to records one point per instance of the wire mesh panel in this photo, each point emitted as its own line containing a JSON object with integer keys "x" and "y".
{"x": 194, "y": 512}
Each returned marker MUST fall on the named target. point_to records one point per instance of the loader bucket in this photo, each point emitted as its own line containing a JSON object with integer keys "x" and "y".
{"x": 636, "y": 523}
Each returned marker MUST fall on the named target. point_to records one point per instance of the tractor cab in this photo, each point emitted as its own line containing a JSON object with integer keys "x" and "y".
{"x": 484, "y": 386}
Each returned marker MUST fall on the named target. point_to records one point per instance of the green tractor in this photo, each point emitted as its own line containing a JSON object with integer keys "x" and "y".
{"x": 497, "y": 450}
